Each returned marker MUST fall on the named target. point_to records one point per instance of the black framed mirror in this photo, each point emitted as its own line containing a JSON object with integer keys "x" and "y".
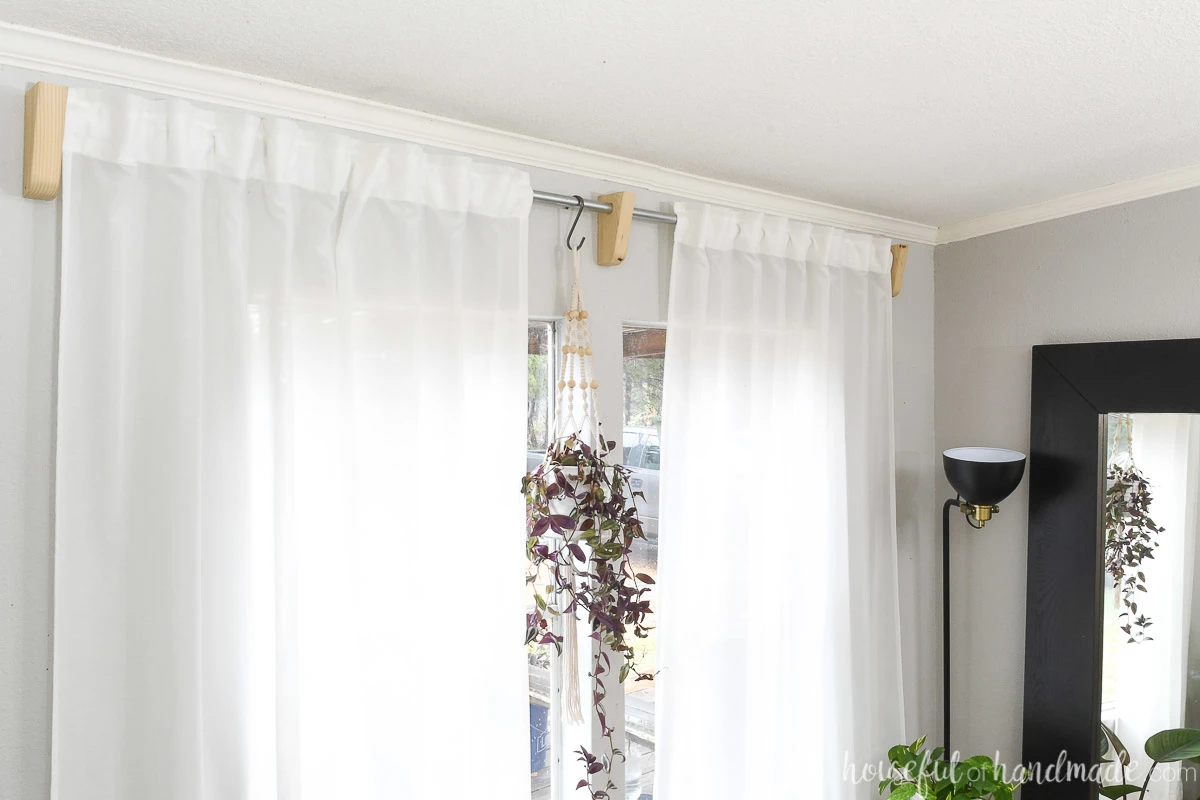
{"x": 1081, "y": 613}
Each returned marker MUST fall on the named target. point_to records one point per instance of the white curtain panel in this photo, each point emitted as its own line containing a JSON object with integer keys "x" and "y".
{"x": 290, "y": 432}
{"x": 779, "y": 650}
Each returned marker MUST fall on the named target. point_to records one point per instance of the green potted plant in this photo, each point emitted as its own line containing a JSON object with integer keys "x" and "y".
{"x": 927, "y": 774}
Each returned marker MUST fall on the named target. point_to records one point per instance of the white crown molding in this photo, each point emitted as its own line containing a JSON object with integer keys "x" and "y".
{"x": 69, "y": 57}
{"x": 76, "y": 58}
{"x": 1114, "y": 194}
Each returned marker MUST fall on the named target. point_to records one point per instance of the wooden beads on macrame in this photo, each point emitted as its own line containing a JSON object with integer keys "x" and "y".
{"x": 576, "y": 370}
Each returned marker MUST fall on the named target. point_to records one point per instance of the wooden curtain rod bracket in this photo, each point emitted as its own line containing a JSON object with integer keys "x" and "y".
{"x": 45, "y": 117}
{"x": 613, "y": 241}
{"x": 899, "y": 257}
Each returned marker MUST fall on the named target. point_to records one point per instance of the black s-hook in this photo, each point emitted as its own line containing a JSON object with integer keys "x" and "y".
{"x": 571, "y": 232}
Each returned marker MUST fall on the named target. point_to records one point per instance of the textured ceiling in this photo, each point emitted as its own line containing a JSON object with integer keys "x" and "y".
{"x": 930, "y": 110}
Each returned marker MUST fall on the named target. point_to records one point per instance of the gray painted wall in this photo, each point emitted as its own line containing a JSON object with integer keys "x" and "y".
{"x": 28, "y": 301}
{"x": 633, "y": 292}
{"x": 1127, "y": 272}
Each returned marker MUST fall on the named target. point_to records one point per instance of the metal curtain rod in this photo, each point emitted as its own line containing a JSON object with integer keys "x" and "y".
{"x": 899, "y": 251}
{"x": 569, "y": 201}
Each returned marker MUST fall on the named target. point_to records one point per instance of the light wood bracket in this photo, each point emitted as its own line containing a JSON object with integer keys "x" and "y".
{"x": 899, "y": 257}
{"x": 45, "y": 117}
{"x": 613, "y": 242}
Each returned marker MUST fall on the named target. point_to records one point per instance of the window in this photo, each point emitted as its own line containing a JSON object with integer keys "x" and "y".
{"x": 631, "y": 439}
{"x": 552, "y": 742}
{"x": 541, "y": 389}
{"x": 643, "y": 349}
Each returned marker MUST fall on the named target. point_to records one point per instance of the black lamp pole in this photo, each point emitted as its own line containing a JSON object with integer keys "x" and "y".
{"x": 953, "y": 503}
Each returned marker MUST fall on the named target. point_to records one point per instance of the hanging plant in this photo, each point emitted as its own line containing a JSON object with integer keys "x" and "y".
{"x": 583, "y": 557}
{"x": 581, "y": 523}
{"x": 1129, "y": 540}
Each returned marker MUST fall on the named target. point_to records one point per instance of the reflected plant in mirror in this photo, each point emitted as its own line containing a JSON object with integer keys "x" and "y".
{"x": 1165, "y": 747}
{"x": 1151, "y": 681}
{"x": 1129, "y": 530}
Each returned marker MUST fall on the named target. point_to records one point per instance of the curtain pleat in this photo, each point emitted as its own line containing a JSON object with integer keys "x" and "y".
{"x": 778, "y": 634}
{"x": 291, "y": 399}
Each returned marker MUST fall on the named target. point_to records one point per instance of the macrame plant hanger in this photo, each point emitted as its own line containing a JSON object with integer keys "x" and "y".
{"x": 575, "y": 374}
{"x": 1122, "y": 444}
{"x": 575, "y": 377}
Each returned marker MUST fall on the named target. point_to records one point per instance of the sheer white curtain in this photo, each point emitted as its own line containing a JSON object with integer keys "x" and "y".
{"x": 778, "y": 645}
{"x": 290, "y": 431}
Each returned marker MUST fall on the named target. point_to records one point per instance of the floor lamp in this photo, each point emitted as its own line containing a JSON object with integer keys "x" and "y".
{"x": 982, "y": 477}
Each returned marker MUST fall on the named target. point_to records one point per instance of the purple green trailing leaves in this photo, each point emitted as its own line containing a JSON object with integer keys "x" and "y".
{"x": 1129, "y": 539}
{"x": 581, "y": 523}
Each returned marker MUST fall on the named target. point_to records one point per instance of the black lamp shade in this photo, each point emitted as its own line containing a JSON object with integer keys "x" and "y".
{"x": 983, "y": 476}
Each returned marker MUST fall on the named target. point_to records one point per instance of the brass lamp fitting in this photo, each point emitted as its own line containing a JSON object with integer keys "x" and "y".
{"x": 981, "y": 514}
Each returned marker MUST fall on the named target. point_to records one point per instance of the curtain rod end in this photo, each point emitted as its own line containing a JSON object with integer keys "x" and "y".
{"x": 45, "y": 119}
{"x": 613, "y": 227}
{"x": 899, "y": 258}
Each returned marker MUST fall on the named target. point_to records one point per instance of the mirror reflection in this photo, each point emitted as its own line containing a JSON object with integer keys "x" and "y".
{"x": 1151, "y": 663}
